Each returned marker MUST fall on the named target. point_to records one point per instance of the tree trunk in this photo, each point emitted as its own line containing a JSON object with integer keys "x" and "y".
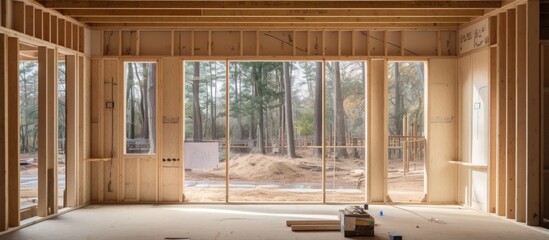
{"x": 213, "y": 94}
{"x": 288, "y": 105}
{"x": 130, "y": 96}
{"x": 399, "y": 114}
{"x": 151, "y": 106}
{"x": 197, "y": 118}
{"x": 281, "y": 110}
{"x": 339, "y": 114}
{"x": 317, "y": 115}
{"x": 259, "y": 95}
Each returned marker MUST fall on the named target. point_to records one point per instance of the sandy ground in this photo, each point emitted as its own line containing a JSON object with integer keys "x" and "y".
{"x": 28, "y": 196}
{"x": 279, "y": 179}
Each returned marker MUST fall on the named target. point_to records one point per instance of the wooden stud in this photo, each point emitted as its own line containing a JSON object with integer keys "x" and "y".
{"x": 376, "y": 118}
{"x": 533, "y": 163}
{"x": 521, "y": 144}
{"x": 493, "y": 87}
{"x": 52, "y": 135}
{"x": 43, "y": 130}
{"x": 13, "y": 132}
{"x": 511, "y": 113}
{"x": 4, "y": 146}
{"x": 72, "y": 105}
{"x": 501, "y": 116}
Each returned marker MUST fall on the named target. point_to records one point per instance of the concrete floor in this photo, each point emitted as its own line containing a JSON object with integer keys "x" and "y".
{"x": 255, "y": 222}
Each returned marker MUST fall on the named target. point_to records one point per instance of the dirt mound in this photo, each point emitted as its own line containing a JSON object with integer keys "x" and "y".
{"x": 263, "y": 167}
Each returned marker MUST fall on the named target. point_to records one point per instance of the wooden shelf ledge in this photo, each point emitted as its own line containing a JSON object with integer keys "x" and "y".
{"x": 468, "y": 164}
{"x": 97, "y": 159}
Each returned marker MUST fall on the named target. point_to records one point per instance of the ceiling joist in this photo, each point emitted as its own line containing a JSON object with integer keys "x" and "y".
{"x": 113, "y": 4}
{"x": 287, "y": 26}
{"x": 274, "y": 13}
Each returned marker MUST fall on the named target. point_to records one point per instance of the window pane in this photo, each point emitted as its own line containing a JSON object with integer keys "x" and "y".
{"x": 205, "y": 118}
{"x": 406, "y": 163}
{"x": 140, "y": 107}
{"x": 28, "y": 126}
{"x": 61, "y": 125}
{"x": 345, "y": 131}
{"x": 275, "y": 141}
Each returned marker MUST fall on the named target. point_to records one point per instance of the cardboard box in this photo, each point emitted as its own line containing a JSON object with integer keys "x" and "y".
{"x": 356, "y": 223}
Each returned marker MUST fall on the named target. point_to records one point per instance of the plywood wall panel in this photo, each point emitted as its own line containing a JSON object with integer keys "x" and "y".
{"x": 249, "y": 43}
{"x": 111, "y": 42}
{"x": 316, "y": 43}
{"x": 442, "y": 130}
{"x": 361, "y": 43}
{"x": 377, "y": 42}
{"x": 171, "y": 93}
{"x": 301, "y": 40}
{"x": 153, "y": 43}
{"x": 112, "y": 132}
{"x": 425, "y": 43}
{"x": 226, "y": 43}
{"x": 201, "y": 43}
{"x": 183, "y": 43}
{"x": 276, "y": 43}
{"x": 346, "y": 43}
{"x": 393, "y": 43}
{"x": 148, "y": 179}
{"x": 130, "y": 183}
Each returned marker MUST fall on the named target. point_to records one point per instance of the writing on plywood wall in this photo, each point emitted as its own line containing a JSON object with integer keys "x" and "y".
{"x": 474, "y": 36}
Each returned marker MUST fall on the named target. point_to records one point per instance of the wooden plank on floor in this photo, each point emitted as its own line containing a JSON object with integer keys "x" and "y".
{"x": 315, "y": 228}
{"x": 521, "y": 144}
{"x": 13, "y": 131}
{"x": 312, "y": 222}
{"x": 511, "y": 113}
{"x": 3, "y": 133}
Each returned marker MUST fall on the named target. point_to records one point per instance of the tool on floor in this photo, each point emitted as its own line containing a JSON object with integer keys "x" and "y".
{"x": 395, "y": 236}
{"x": 355, "y": 221}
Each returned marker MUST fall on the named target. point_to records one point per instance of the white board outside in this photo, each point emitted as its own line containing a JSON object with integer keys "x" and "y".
{"x": 474, "y": 36}
{"x": 201, "y": 155}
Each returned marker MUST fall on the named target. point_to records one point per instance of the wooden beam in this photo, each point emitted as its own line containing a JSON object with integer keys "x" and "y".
{"x": 423, "y": 26}
{"x": 311, "y": 222}
{"x": 71, "y": 4}
{"x": 13, "y": 131}
{"x": 124, "y": 19}
{"x": 52, "y": 136}
{"x": 4, "y": 187}
{"x": 511, "y": 113}
{"x": 533, "y": 163}
{"x": 275, "y": 13}
{"x": 501, "y": 116}
{"x": 72, "y": 137}
{"x": 521, "y": 129}
{"x": 43, "y": 149}
{"x": 315, "y": 228}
